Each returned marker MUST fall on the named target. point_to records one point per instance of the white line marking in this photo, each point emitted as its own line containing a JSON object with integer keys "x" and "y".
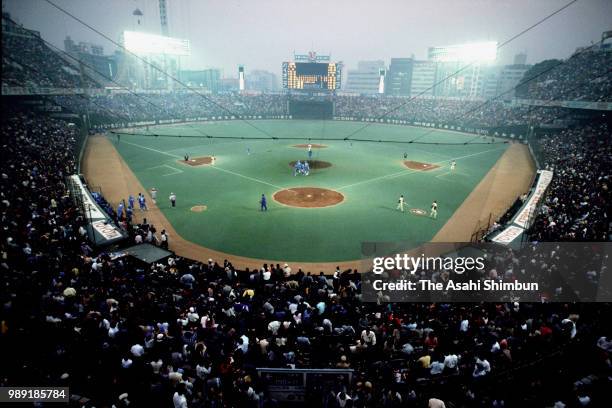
{"x": 405, "y": 172}
{"x": 245, "y": 177}
{"x": 176, "y": 171}
{"x": 443, "y": 174}
{"x": 451, "y": 172}
{"x": 153, "y": 150}
{"x": 211, "y": 167}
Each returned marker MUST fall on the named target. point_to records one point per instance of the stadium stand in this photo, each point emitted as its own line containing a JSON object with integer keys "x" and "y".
{"x": 146, "y": 333}
{"x": 120, "y": 332}
{"x": 28, "y": 62}
{"x": 589, "y": 68}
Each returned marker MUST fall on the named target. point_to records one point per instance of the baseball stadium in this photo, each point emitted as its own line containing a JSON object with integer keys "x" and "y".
{"x": 214, "y": 204}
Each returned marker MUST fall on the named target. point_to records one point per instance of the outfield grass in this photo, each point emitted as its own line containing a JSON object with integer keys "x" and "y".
{"x": 371, "y": 176}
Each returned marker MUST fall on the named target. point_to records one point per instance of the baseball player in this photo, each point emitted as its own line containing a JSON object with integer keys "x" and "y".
{"x": 142, "y": 202}
{"x": 120, "y": 211}
{"x": 172, "y": 199}
{"x": 213, "y": 159}
{"x": 453, "y": 164}
{"x": 434, "y": 210}
{"x": 154, "y": 195}
{"x": 306, "y": 168}
{"x": 309, "y": 151}
{"x": 263, "y": 203}
{"x": 400, "y": 203}
{"x": 131, "y": 201}
{"x": 295, "y": 168}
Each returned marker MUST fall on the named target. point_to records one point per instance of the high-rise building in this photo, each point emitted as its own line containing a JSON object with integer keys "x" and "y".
{"x": 509, "y": 77}
{"x": 520, "y": 59}
{"x": 209, "y": 79}
{"x": 462, "y": 68}
{"x": 399, "y": 77}
{"x": 423, "y": 78}
{"x": 366, "y": 78}
{"x": 93, "y": 61}
{"x": 260, "y": 80}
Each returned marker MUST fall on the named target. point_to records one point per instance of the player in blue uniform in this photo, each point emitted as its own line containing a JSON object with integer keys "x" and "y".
{"x": 131, "y": 201}
{"x": 263, "y": 203}
{"x": 142, "y": 202}
{"x": 120, "y": 211}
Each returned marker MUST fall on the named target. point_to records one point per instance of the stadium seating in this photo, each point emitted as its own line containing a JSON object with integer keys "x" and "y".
{"x": 72, "y": 315}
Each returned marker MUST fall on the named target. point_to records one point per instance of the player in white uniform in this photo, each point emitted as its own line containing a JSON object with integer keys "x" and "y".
{"x": 453, "y": 164}
{"x": 400, "y": 203}
{"x": 434, "y": 210}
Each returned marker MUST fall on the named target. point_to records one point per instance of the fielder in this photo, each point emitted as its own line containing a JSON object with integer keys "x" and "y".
{"x": 306, "y": 168}
{"x": 263, "y": 203}
{"x": 434, "y": 210}
{"x": 400, "y": 203}
{"x": 453, "y": 164}
{"x": 154, "y": 195}
{"x": 309, "y": 151}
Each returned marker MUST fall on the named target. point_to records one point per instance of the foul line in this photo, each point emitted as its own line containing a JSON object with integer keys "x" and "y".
{"x": 153, "y": 150}
{"x": 405, "y": 172}
{"x": 245, "y": 177}
{"x": 176, "y": 171}
{"x": 211, "y": 167}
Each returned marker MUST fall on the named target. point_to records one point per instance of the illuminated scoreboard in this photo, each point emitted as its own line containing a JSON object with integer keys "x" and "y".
{"x": 312, "y": 75}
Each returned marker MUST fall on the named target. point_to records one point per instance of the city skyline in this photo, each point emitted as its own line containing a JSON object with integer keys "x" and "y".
{"x": 388, "y": 29}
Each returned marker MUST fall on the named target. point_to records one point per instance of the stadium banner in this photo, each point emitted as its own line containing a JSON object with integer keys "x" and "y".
{"x": 526, "y": 214}
{"x": 508, "y": 235}
{"x": 486, "y": 272}
{"x": 297, "y": 384}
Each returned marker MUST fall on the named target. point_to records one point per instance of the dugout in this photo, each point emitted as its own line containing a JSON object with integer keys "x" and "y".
{"x": 311, "y": 109}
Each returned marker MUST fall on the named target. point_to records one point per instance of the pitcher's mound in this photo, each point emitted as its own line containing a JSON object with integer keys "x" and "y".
{"x": 308, "y": 197}
{"x": 315, "y": 164}
{"x": 314, "y": 146}
{"x": 197, "y": 161}
{"x": 414, "y": 165}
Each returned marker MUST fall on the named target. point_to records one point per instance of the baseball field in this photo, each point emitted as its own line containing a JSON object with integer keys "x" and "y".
{"x": 349, "y": 196}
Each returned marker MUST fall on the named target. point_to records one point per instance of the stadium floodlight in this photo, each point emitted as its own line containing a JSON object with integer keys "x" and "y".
{"x": 473, "y": 52}
{"x": 143, "y": 43}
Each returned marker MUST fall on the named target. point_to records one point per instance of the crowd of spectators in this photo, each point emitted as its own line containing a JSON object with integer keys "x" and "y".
{"x": 120, "y": 109}
{"x": 577, "y": 206}
{"x": 133, "y": 107}
{"x": 585, "y": 76}
{"x": 191, "y": 334}
{"x": 28, "y": 62}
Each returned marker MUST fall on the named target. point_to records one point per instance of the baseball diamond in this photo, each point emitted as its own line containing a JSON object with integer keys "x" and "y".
{"x": 368, "y": 175}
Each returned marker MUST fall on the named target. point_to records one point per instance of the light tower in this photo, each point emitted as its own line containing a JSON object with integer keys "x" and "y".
{"x": 163, "y": 17}
{"x": 381, "y": 81}
{"x": 241, "y": 78}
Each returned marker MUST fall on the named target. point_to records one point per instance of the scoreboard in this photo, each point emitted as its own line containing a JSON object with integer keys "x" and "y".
{"x": 312, "y": 76}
